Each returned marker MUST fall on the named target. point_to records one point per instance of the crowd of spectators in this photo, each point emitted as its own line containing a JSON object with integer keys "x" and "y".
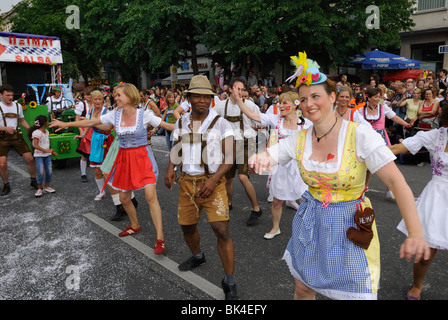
{"x": 413, "y": 100}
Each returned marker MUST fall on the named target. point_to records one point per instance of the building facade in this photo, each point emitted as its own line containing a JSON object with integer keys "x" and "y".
{"x": 430, "y": 32}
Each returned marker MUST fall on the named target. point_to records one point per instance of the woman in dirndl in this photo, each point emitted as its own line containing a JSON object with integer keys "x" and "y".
{"x": 334, "y": 247}
{"x": 376, "y": 114}
{"x": 432, "y": 204}
{"x": 100, "y": 142}
{"x": 285, "y": 184}
{"x": 132, "y": 168}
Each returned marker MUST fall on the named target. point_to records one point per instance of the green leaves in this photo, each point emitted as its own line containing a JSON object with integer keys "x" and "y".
{"x": 154, "y": 34}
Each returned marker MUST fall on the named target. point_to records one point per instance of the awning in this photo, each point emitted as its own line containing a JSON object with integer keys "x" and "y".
{"x": 403, "y": 74}
{"x": 181, "y": 79}
{"x": 377, "y": 59}
{"x": 30, "y": 48}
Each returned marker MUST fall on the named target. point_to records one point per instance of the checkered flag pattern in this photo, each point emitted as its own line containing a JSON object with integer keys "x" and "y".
{"x": 36, "y": 51}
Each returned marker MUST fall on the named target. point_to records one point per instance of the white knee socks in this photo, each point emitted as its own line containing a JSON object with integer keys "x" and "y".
{"x": 100, "y": 183}
{"x": 83, "y": 166}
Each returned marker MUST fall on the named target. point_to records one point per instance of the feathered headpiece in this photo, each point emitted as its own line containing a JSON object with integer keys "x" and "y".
{"x": 307, "y": 71}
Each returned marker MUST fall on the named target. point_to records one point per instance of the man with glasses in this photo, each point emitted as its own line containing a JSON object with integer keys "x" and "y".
{"x": 399, "y": 102}
{"x": 410, "y": 86}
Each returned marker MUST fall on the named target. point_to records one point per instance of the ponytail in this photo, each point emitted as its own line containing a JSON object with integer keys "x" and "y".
{"x": 39, "y": 121}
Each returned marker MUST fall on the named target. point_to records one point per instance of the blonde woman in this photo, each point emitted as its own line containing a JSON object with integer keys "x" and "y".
{"x": 285, "y": 184}
{"x": 343, "y": 110}
{"x": 168, "y": 116}
{"x": 412, "y": 106}
{"x": 100, "y": 141}
{"x": 133, "y": 168}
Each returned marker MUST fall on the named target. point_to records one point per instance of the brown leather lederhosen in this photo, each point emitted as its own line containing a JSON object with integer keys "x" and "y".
{"x": 245, "y": 140}
{"x": 14, "y": 140}
{"x": 15, "y": 135}
{"x": 197, "y": 137}
{"x": 190, "y": 206}
{"x": 235, "y": 118}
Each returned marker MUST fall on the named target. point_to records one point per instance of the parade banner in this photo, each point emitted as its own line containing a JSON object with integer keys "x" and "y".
{"x": 30, "y": 48}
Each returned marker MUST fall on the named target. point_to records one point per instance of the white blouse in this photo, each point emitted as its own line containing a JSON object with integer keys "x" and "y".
{"x": 370, "y": 146}
{"x": 148, "y": 118}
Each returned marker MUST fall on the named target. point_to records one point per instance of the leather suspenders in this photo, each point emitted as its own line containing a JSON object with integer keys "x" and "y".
{"x": 196, "y": 137}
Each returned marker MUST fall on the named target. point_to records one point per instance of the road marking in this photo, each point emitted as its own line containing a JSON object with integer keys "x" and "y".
{"x": 199, "y": 282}
{"x": 163, "y": 151}
{"x": 18, "y": 170}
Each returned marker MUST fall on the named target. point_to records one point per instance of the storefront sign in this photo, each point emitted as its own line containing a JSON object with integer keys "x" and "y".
{"x": 30, "y": 48}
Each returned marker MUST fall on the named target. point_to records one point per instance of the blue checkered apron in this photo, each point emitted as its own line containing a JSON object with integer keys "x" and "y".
{"x": 320, "y": 255}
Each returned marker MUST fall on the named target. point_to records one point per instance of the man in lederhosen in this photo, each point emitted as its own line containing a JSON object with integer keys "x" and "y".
{"x": 204, "y": 151}
{"x": 56, "y": 104}
{"x": 245, "y": 138}
{"x": 11, "y": 116}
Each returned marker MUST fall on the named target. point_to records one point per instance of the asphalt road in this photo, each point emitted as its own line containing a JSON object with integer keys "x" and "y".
{"x": 63, "y": 246}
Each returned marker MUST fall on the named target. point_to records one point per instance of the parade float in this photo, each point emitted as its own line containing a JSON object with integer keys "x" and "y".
{"x": 26, "y": 60}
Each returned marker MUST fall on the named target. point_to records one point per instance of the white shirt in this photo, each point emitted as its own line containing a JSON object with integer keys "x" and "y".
{"x": 54, "y": 104}
{"x": 148, "y": 118}
{"x": 274, "y": 120}
{"x": 370, "y": 147}
{"x": 81, "y": 106}
{"x": 186, "y": 106}
{"x": 234, "y": 110}
{"x": 11, "y": 122}
{"x": 191, "y": 153}
{"x": 387, "y": 111}
{"x": 357, "y": 116}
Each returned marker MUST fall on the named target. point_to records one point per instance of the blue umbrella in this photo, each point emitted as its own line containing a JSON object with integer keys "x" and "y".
{"x": 383, "y": 60}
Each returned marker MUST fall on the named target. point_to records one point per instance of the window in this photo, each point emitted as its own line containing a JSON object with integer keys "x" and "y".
{"x": 428, "y": 55}
{"x": 424, "y": 5}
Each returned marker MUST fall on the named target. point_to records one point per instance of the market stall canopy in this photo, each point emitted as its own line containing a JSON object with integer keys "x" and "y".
{"x": 377, "y": 59}
{"x": 404, "y": 74}
{"x": 30, "y": 48}
{"x": 181, "y": 79}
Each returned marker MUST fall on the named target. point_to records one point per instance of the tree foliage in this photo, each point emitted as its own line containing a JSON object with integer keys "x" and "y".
{"x": 328, "y": 30}
{"x": 141, "y": 34}
{"x": 49, "y": 19}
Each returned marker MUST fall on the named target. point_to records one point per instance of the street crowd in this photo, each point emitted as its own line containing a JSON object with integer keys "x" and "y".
{"x": 325, "y": 139}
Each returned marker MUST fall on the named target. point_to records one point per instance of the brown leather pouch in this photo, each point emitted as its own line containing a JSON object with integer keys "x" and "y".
{"x": 364, "y": 234}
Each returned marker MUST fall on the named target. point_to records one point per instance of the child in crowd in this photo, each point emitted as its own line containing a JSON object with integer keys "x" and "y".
{"x": 40, "y": 138}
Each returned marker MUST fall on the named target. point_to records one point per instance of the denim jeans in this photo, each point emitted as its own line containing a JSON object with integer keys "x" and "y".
{"x": 43, "y": 167}
{"x": 169, "y": 142}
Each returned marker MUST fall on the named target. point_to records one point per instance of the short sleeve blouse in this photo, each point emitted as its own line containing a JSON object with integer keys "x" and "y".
{"x": 370, "y": 146}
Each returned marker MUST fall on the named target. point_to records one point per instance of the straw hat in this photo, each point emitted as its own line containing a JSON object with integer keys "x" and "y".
{"x": 200, "y": 85}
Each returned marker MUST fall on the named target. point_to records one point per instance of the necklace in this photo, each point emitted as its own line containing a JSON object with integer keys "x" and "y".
{"x": 326, "y": 133}
{"x": 372, "y": 108}
{"x": 96, "y": 113}
{"x": 341, "y": 114}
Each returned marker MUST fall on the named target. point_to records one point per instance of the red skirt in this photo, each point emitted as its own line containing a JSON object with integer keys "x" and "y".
{"x": 84, "y": 144}
{"x": 132, "y": 170}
